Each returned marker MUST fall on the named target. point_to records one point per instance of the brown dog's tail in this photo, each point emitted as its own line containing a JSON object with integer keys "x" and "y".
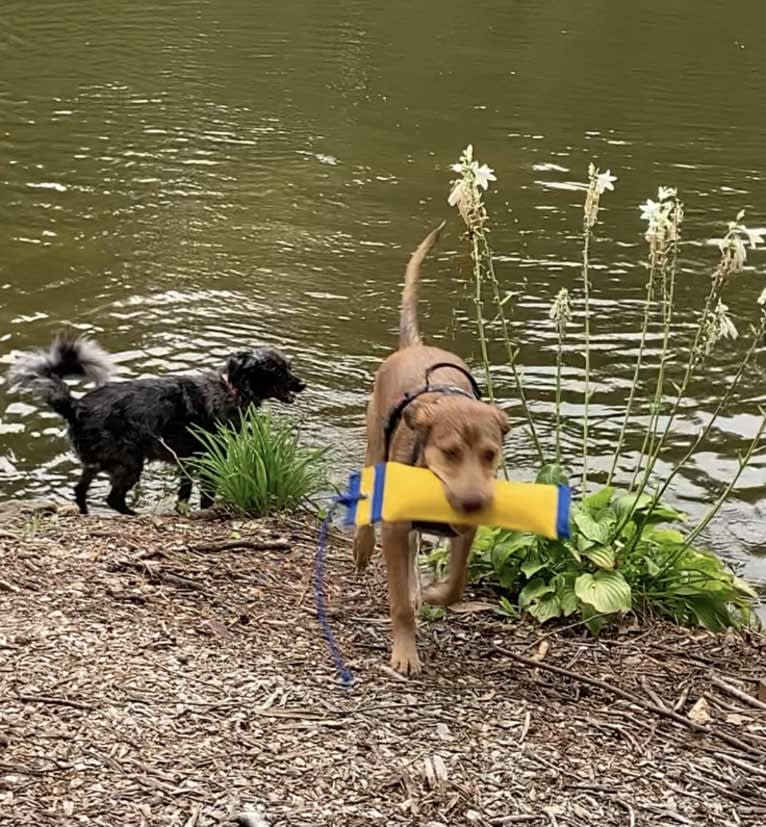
{"x": 408, "y": 319}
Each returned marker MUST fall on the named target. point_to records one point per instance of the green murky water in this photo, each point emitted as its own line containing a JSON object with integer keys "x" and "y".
{"x": 184, "y": 178}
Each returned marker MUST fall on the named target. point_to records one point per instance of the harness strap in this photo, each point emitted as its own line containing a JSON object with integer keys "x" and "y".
{"x": 395, "y": 414}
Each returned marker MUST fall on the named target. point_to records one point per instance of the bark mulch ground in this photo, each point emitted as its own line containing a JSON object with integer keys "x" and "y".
{"x": 170, "y": 671}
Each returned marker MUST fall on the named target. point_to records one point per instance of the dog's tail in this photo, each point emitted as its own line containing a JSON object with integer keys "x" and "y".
{"x": 408, "y": 319}
{"x": 43, "y": 371}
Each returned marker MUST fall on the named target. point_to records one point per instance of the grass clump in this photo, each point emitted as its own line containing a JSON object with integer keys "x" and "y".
{"x": 629, "y": 550}
{"x": 261, "y": 467}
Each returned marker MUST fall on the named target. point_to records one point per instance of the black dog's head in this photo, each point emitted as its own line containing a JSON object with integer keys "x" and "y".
{"x": 263, "y": 373}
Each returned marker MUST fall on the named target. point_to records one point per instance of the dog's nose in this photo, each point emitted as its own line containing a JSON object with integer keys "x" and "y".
{"x": 472, "y": 503}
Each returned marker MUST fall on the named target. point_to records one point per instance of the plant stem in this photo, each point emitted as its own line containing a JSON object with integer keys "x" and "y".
{"x": 511, "y": 353}
{"x": 752, "y": 350}
{"x": 636, "y": 371}
{"x": 743, "y": 463}
{"x": 586, "y": 294}
{"x": 668, "y": 285}
{"x": 559, "y": 365}
{"x": 480, "y": 323}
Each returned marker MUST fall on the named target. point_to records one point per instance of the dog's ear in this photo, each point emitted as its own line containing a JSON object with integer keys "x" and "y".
{"x": 502, "y": 420}
{"x": 420, "y": 415}
{"x": 236, "y": 363}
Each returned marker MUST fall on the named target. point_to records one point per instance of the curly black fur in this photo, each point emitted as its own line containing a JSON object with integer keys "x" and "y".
{"x": 121, "y": 425}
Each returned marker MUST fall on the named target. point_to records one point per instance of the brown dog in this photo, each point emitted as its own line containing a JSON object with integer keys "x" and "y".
{"x": 424, "y": 410}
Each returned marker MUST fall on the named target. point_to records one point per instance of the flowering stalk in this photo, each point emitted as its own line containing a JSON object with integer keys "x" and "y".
{"x": 663, "y": 235}
{"x": 466, "y": 195}
{"x": 709, "y": 333}
{"x": 560, "y": 314}
{"x": 714, "y": 324}
{"x": 597, "y": 184}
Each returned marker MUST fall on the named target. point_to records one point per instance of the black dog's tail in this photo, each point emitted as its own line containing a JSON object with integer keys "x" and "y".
{"x": 43, "y": 371}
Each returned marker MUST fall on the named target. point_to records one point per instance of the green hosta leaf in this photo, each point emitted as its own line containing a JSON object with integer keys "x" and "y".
{"x": 598, "y": 500}
{"x": 666, "y": 536}
{"x": 594, "y": 621}
{"x": 629, "y": 504}
{"x": 711, "y": 614}
{"x": 534, "y": 590}
{"x": 512, "y": 544}
{"x": 652, "y": 569}
{"x": 552, "y": 474}
{"x": 634, "y": 505}
{"x": 601, "y": 556}
{"x": 509, "y": 576}
{"x": 546, "y": 608}
{"x": 745, "y": 588}
{"x": 487, "y": 537}
{"x": 566, "y": 594}
{"x": 606, "y": 591}
{"x": 593, "y": 530}
{"x": 533, "y": 564}
{"x": 506, "y": 608}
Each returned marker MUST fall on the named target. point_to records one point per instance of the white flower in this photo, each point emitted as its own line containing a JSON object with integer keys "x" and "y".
{"x": 456, "y": 195}
{"x": 664, "y": 193}
{"x": 650, "y": 211}
{"x": 483, "y": 175}
{"x": 560, "y": 312}
{"x": 605, "y": 181}
{"x": 755, "y": 237}
{"x": 762, "y": 298}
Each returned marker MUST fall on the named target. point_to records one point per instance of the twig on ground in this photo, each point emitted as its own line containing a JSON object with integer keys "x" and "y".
{"x": 634, "y": 699}
{"x": 227, "y": 545}
{"x": 737, "y": 693}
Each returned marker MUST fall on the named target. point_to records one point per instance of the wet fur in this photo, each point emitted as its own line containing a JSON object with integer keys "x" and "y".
{"x": 462, "y": 444}
{"x": 120, "y": 426}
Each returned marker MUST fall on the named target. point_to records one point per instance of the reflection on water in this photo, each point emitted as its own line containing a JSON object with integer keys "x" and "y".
{"x": 185, "y": 178}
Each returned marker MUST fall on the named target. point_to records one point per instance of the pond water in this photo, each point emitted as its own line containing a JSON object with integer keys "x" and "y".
{"x": 189, "y": 177}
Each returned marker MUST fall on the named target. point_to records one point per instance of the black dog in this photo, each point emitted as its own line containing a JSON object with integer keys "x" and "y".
{"x": 120, "y": 426}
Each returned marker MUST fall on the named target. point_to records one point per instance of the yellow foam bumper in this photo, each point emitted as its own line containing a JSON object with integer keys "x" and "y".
{"x": 393, "y": 492}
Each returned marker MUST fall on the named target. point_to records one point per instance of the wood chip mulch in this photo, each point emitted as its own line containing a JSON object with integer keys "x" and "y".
{"x": 167, "y": 671}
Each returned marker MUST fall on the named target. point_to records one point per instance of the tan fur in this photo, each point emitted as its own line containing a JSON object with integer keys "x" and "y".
{"x": 462, "y": 440}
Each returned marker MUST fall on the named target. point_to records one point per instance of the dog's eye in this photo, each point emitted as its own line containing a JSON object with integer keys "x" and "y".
{"x": 452, "y": 454}
{"x": 489, "y": 456}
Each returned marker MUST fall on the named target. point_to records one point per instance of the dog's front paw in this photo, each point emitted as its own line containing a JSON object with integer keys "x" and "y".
{"x": 404, "y": 658}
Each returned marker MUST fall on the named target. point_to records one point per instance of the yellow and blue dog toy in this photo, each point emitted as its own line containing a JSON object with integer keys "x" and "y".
{"x": 393, "y": 492}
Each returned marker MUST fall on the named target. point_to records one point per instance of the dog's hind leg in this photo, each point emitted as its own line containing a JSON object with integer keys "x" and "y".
{"x": 206, "y": 495}
{"x": 87, "y": 476}
{"x": 449, "y": 591}
{"x": 184, "y": 489}
{"x": 123, "y": 478}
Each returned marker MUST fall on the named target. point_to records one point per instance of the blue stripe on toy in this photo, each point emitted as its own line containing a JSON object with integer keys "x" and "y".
{"x": 351, "y": 498}
{"x": 376, "y": 513}
{"x": 562, "y": 512}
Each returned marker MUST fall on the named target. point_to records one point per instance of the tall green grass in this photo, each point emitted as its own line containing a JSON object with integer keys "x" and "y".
{"x": 261, "y": 468}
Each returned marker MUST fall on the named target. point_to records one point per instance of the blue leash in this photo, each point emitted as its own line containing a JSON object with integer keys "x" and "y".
{"x": 346, "y": 678}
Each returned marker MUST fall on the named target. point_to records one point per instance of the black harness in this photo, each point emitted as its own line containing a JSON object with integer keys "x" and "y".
{"x": 395, "y": 416}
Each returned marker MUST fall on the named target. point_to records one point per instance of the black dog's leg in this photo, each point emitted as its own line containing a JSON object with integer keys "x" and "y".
{"x": 87, "y": 476}
{"x": 123, "y": 478}
{"x": 184, "y": 490}
{"x": 206, "y": 495}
